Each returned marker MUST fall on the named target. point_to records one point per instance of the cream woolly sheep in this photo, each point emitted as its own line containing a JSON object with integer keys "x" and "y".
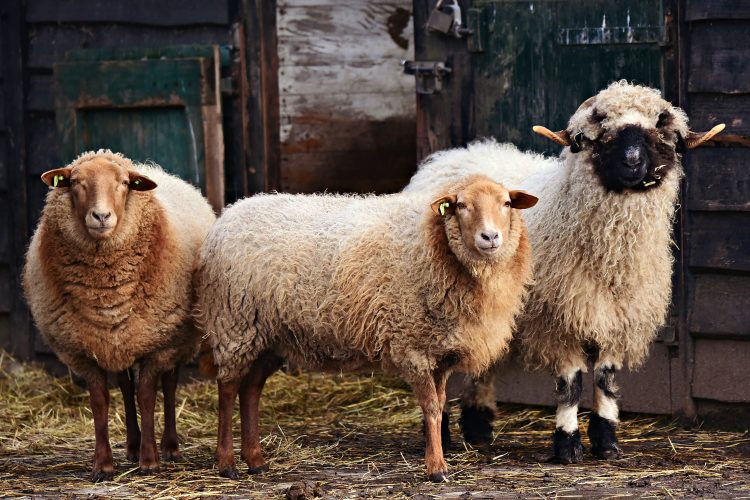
{"x": 108, "y": 278}
{"x": 348, "y": 282}
{"x": 602, "y": 245}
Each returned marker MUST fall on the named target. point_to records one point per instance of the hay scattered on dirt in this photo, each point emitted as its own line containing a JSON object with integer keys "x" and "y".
{"x": 354, "y": 436}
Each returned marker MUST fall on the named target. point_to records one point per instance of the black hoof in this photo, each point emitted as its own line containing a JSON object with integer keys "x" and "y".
{"x": 171, "y": 455}
{"x": 476, "y": 425}
{"x": 99, "y": 476}
{"x": 229, "y": 473}
{"x": 602, "y": 433}
{"x": 438, "y": 477}
{"x": 566, "y": 447}
{"x": 258, "y": 470}
{"x": 132, "y": 457}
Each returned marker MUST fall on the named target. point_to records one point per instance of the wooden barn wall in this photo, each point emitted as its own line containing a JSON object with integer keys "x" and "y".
{"x": 347, "y": 112}
{"x": 50, "y": 28}
{"x": 717, "y": 213}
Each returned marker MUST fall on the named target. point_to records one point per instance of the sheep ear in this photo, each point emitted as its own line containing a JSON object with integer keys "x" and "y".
{"x": 695, "y": 139}
{"x": 522, "y": 199}
{"x": 445, "y": 205}
{"x": 139, "y": 182}
{"x": 562, "y": 137}
{"x": 59, "y": 177}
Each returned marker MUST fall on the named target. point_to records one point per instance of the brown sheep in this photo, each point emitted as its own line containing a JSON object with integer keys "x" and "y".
{"x": 346, "y": 283}
{"x": 108, "y": 278}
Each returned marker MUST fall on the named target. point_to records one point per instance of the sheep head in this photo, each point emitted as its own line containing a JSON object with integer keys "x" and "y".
{"x": 632, "y": 135}
{"x": 99, "y": 185}
{"x": 478, "y": 214}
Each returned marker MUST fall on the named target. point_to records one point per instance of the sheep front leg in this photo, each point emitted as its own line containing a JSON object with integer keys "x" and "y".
{"x": 225, "y": 447}
{"x": 567, "y": 447}
{"x": 427, "y": 396}
{"x": 126, "y": 381}
{"x": 170, "y": 445}
{"x": 149, "y": 458}
{"x": 250, "y": 391}
{"x": 99, "y": 401}
{"x": 478, "y": 410}
{"x": 604, "y": 417}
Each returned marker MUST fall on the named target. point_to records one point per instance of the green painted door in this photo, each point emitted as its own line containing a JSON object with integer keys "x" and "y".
{"x": 534, "y": 62}
{"x": 161, "y": 105}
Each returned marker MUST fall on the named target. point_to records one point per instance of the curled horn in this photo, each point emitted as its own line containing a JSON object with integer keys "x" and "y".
{"x": 695, "y": 139}
{"x": 562, "y": 137}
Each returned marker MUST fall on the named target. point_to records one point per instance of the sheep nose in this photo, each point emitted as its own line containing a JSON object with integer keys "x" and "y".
{"x": 101, "y": 216}
{"x": 633, "y": 157}
{"x": 489, "y": 236}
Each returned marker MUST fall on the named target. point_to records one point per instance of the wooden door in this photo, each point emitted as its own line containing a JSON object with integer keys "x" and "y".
{"x": 161, "y": 105}
{"x": 534, "y": 62}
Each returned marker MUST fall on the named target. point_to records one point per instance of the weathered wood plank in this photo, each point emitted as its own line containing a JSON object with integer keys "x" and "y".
{"x": 5, "y": 332}
{"x": 49, "y": 42}
{"x": 352, "y": 171}
{"x": 6, "y": 289}
{"x": 722, "y": 370}
{"x": 717, "y": 241}
{"x": 367, "y": 106}
{"x": 720, "y": 306}
{"x": 314, "y": 50}
{"x": 719, "y": 57}
{"x": 307, "y": 135}
{"x": 697, "y": 10}
{"x": 373, "y": 21}
{"x": 290, "y": 4}
{"x": 43, "y": 151}
{"x": 313, "y": 80}
{"x": 718, "y": 179}
{"x": 41, "y": 96}
{"x": 707, "y": 110}
{"x": 4, "y": 163}
{"x": 147, "y": 12}
{"x": 6, "y": 233}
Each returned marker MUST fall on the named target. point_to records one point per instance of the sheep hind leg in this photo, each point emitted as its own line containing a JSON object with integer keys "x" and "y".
{"x": 126, "y": 382}
{"x": 170, "y": 445}
{"x": 224, "y": 447}
{"x": 604, "y": 416}
{"x": 103, "y": 469}
{"x": 567, "y": 447}
{"x": 478, "y": 410}
{"x": 426, "y": 393}
{"x": 251, "y": 388}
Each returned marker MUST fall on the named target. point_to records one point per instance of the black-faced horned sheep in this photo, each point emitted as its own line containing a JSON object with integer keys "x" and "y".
{"x": 602, "y": 236}
{"x": 108, "y": 278}
{"x": 347, "y": 282}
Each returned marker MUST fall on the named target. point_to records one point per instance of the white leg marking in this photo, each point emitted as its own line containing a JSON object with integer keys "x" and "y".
{"x": 567, "y": 418}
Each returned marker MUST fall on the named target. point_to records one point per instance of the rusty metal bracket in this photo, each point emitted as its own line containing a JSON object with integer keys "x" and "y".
{"x": 429, "y": 75}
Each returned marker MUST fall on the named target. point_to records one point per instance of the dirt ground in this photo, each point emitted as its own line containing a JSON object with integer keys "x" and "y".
{"x": 349, "y": 437}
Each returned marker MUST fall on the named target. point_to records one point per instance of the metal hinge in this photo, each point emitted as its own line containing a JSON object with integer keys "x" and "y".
{"x": 429, "y": 75}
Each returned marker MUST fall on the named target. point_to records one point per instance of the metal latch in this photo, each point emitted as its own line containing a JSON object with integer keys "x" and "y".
{"x": 429, "y": 75}
{"x": 446, "y": 19}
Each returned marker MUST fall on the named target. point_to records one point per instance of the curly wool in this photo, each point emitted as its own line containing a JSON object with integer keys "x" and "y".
{"x": 603, "y": 260}
{"x": 350, "y": 282}
{"x": 112, "y": 302}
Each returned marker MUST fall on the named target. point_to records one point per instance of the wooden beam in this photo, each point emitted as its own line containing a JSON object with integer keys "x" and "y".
{"x": 260, "y": 94}
{"x": 13, "y": 34}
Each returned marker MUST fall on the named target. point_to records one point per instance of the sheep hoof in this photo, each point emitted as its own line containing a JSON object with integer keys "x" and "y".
{"x": 438, "y": 477}
{"x": 567, "y": 447}
{"x": 148, "y": 470}
{"x": 258, "y": 470}
{"x": 99, "y": 476}
{"x": 612, "y": 452}
{"x": 476, "y": 425}
{"x": 132, "y": 457}
{"x": 229, "y": 473}
{"x": 171, "y": 455}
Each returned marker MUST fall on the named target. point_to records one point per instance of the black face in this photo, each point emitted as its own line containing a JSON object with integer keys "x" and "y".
{"x": 633, "y": 158}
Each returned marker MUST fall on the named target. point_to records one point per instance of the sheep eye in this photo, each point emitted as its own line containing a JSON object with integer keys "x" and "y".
{"x": 461, "y": 205}
{"x": 507, "y": 204}
{"x": 125, "y": 183}
{"x": 664, "y": 116}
